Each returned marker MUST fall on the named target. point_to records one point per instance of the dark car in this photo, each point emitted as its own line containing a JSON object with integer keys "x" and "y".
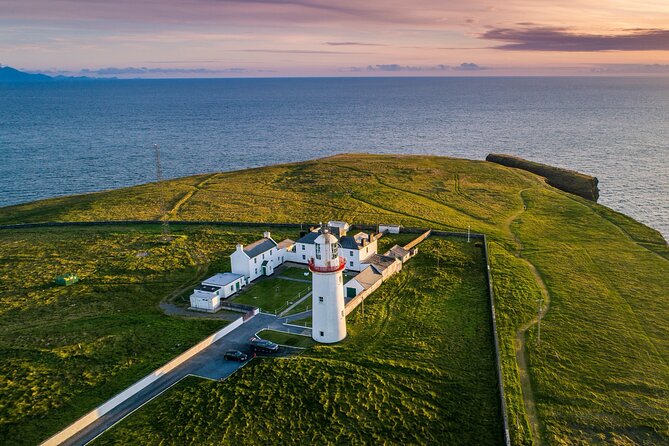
{"x": 236, "y": 355}
{"x": 264, "y": 346}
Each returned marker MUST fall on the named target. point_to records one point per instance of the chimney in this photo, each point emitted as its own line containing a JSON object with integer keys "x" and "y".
{"x": 266, "y": 234}
{"x": 240, "y": 247}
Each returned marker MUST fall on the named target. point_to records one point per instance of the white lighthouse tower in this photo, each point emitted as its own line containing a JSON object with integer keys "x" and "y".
{"x": 328, "y": 320}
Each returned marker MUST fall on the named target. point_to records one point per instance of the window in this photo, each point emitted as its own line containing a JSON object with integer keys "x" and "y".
{"x": 232, "y": 288}
{"x": 350, "y": 253}
{"x": 270, "y": 252}
{"x": 304, "y": 257}
{"x": 335, "y": 252}
{"x": 320, "y": 299}
{"x": 351, "y": 263}
{"x": 303, "y": 247}
{"x": 263, "y": 256}
{"x": 256, "y": 270}
{"x": 255, "y": 260}
{"x": 318, "y": 252}
{"x": 322, "y": 334}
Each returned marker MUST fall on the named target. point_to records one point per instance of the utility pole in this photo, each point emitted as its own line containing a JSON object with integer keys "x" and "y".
{"x": 163, "y": 207}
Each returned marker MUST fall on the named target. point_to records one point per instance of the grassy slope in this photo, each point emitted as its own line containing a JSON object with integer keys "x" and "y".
{"x": 606, "y": 274}
{"x": 65, "y": 350}
{"x": 417, "y": 369}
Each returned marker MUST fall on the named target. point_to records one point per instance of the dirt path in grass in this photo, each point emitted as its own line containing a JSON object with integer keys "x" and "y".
{"x": 167, "y": 304}
{"x": 172, "y": 213}
{"x": 520, "y": 339}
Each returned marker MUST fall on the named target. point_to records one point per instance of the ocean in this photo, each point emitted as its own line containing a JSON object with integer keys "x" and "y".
{"x": 71, "y": 137}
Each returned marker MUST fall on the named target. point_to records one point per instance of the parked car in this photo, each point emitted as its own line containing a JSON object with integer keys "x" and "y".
{"x": 264, "y": 346}
{"x": 236, "y": 355}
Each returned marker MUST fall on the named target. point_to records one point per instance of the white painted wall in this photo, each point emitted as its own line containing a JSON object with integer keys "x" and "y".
{"x": 392, "y": 229}
{"x": 354, "y": 258}
{"x": 303, "y": 252}
{"x": 328, "y": 316}
{"x": 101, "y": 410}
{"x": 205, "y": 300}
{"x": 240, "y": 262}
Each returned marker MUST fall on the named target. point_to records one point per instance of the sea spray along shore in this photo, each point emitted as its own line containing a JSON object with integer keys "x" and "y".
{"x": 599, "y": 373}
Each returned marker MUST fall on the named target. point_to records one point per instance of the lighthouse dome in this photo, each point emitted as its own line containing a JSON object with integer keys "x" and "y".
{"x": 326, "y": 238}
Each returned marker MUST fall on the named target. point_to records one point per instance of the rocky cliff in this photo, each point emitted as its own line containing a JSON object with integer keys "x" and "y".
{"x": 567, "y": 180}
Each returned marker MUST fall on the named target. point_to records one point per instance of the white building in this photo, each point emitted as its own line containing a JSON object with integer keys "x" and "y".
{"x": 355, "y": 249}
{"x": 207, "y": 296}
{"x": 363, "y": 281}
{"x": 390, "y": 229}
{"x": 400, "y": 253}
{"x": 328, "y": 311}
{"x": 384, "y": 265}
{"x": 260, "y": 258}
{"x": 338, "y": 228}
{"x": 303, "y": 250}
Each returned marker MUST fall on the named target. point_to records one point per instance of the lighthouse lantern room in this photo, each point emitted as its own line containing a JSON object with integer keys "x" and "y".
{"x": 328, "y": 318}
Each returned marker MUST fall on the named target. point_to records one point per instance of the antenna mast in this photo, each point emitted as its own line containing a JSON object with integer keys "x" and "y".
{"x": 163, "y": 207}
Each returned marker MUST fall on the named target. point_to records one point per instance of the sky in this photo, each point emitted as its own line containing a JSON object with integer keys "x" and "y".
{"x": 276, "y": 38}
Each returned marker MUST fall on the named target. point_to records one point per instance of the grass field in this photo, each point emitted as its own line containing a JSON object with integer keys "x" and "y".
{"x": 66, "y": 350}
{"x": 600, "y": 374}
{"x": 291, "y": 340}
{"x": 416, "y": 369}
{"x": 272, "y": 293}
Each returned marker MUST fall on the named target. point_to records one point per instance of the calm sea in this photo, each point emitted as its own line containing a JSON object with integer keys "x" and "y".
{"x": 67, "y": 138}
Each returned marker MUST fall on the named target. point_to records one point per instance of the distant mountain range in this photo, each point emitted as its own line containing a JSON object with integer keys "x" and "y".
{"x": 12, "y": 75}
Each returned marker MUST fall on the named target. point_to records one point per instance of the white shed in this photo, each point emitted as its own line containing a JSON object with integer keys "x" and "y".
{"x": 390, "y": 229}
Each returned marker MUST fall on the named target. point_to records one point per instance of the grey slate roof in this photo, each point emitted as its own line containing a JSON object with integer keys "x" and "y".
{"x": 348, "y": 242}
{"x": 379, "y": 262}
{"x": 397, "y": 251}
{"x": 285, "y": 244}
{"x": 309, "y": 238}
{"x": 258, "y": 247}
{"x": 368, "y": 277}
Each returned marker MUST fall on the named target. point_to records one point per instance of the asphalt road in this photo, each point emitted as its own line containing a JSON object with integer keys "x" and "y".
{"x": 203, "y": 364}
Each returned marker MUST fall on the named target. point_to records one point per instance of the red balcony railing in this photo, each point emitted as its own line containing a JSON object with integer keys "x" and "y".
{"x": 337, "y": 265}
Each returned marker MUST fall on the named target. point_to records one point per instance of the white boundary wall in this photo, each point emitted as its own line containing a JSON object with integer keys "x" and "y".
{"x": 101, "y": 410}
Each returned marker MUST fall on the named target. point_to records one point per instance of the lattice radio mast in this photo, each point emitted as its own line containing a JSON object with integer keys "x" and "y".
{"x": 161, "y": 185}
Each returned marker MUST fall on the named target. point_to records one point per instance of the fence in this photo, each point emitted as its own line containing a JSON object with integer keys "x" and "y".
{"x": 140, "y": 385}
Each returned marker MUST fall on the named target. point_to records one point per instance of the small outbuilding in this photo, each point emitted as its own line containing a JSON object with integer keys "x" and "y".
{"x": 399, "y": 253}
{"x": 207, "y": 296}
{"x": 363, "y": 281}
{"x": 390, "y": 229}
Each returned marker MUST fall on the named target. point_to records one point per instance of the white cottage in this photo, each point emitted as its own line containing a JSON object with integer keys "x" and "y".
{"x": 260, "y": 258}
{"x": 355, "y": 249}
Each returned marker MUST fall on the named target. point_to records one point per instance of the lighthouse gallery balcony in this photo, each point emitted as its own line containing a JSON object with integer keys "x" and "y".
{"x": 333, "y": 266}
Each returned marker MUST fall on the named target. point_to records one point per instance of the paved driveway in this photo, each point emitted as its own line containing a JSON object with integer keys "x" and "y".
{"x": 207, "y": 362}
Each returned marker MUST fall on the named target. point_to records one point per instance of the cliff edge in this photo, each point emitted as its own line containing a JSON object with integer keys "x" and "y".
{"x": 567, "y": 180}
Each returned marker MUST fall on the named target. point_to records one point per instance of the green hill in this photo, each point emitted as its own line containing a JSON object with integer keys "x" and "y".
{"x": 600, "y": 373}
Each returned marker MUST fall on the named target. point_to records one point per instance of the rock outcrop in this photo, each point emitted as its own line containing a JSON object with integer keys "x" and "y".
{"x": 567, "y": 180}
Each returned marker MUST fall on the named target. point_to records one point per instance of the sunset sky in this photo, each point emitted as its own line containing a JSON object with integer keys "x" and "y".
{"x": 242, "y": 38}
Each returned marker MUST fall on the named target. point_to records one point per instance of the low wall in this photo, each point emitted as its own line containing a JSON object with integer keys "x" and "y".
{"x": 140, "y": 385}
{"x": 498, "y": 356}
{"x": 418, "y": 240}
{"x": 357, "y": 300}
